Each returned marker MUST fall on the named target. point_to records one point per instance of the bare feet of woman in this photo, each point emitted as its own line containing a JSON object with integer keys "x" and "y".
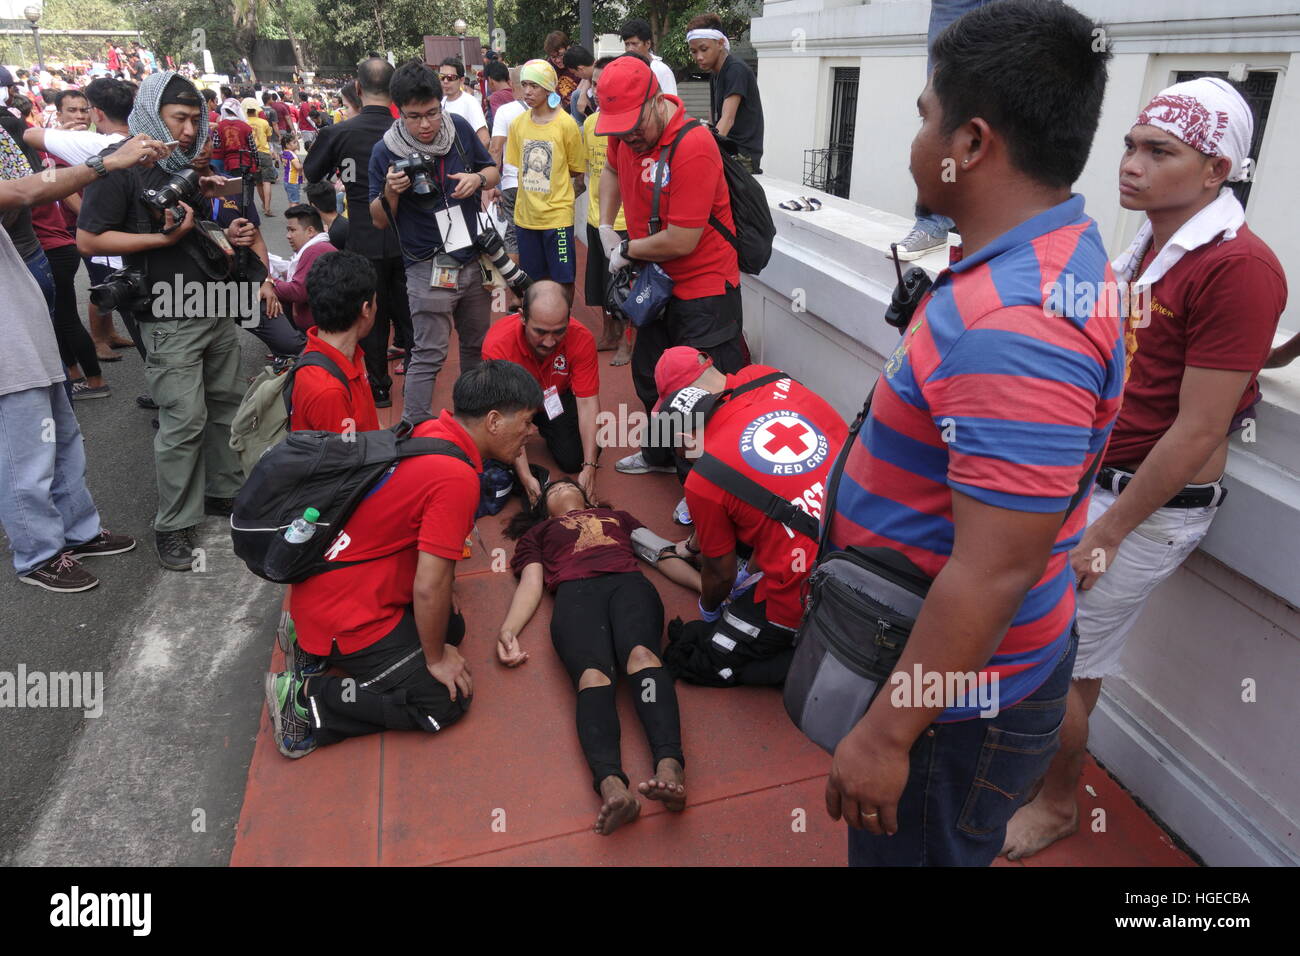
{"x": 619, "y": 806}
{"x": 1036, "y": 826}
{"x": 624, "y": 353}
{"x": 668, "y": 785}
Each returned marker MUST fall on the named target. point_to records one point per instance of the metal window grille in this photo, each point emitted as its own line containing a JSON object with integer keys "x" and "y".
{"x": 830, "y": 169}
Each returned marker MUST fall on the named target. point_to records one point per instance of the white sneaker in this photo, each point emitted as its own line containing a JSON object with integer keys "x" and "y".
{"x": 682, "y": 514}
{"x": 637, "y": 465}
{"x": 917, "y": 244}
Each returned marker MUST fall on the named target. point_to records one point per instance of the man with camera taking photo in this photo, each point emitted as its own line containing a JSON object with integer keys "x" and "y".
{"x": 426, "y": 174}
{"x": 151, "y": 217}
{"x": 46, "y": 510}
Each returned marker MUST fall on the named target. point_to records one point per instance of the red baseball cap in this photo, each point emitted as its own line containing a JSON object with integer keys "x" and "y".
{"x": 678, "y": 367}
{"x": 624, "y": 87}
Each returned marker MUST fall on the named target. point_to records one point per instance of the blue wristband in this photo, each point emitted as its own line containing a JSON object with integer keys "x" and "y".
{"x": 709, "y": 616}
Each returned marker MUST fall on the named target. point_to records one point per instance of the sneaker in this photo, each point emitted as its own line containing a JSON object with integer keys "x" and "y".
{"x": 917, "y": 244}
{"x": 637, "y": 465}
{"x": 221, "y": 507}
{"x": 174, "y": 549}
{"x": 83, "y": 390}
{"x": 62, "y": 573}
{"x": 305, "y": 664}
{"x": 289, "y": 723}
{"x": 146, "y": 401}
{"x": 382, "y": 398}
{"x": 102, "y": 544}
{"x": 682, "y": 514}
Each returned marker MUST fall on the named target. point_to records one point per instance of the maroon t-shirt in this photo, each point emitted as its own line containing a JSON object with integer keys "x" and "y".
{"x": 1218, "y": 307}
{"x": 578, "y": 545}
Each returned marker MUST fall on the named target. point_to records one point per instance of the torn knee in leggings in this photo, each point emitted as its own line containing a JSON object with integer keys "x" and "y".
{"x": 642, "y": 657}
{"x": 594, "y": 677}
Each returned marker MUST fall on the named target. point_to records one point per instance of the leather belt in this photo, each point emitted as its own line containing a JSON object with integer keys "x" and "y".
{"x": 1192, "y": 496}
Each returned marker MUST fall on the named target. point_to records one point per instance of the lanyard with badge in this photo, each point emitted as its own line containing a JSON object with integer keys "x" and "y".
{"x": 452, "y": 228}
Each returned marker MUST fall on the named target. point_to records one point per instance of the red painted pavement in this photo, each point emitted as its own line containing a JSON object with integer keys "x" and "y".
{"x": 507, "y": 785}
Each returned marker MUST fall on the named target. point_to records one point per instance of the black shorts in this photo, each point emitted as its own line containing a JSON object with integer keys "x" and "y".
{"x": 597, "y": 267}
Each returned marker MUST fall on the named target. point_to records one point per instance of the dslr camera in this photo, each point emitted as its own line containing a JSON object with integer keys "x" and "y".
{"x": 126, "y": 291}
{"x": 180, "y": 187}
{"x": 493, "y": 251}
{"x": 418, "y": 170}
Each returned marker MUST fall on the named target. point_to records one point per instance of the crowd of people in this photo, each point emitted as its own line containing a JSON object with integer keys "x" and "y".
{"x": 418, "y": 207}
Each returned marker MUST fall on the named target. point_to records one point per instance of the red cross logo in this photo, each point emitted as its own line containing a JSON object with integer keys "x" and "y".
{"x": 786, "y": 436}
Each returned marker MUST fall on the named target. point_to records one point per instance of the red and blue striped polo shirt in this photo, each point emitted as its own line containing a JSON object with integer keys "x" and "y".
{"x": 1004, "y": 386}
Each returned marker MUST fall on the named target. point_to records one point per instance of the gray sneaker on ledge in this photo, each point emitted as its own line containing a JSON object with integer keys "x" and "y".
{"x": 917, "y": 244}
{"x": 637, "y": 465}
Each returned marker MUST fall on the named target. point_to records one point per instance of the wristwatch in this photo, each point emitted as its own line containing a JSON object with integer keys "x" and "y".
{"x": 483, "y": 181}
{"x": 97, "y": 164}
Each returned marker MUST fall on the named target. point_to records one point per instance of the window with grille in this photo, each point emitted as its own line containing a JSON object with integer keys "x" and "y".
{"x": 829, "y": 169}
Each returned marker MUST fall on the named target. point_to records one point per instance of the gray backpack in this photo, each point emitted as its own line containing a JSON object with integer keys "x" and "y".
{"x": 264, "y": 415}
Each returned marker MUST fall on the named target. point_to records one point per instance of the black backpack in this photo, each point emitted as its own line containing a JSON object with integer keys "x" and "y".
{"x": 755, "y": 229}
{"x": 323, "y": 470}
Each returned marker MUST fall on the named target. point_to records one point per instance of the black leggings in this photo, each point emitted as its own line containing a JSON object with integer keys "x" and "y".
{"x": 75, "y": 344}
{"x": 595, "y": 625}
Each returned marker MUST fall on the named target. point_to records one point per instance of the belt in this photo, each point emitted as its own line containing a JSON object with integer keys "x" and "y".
{"x": 1192, "y": 496}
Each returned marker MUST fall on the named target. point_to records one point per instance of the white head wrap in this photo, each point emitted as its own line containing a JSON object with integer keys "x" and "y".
{"x": 708, "y": 33}
{"x": 1210, "y": 116}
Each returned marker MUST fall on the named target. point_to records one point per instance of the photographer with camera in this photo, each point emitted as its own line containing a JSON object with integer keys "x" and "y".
{"x": 154, "y": 219}
{"x": 425, "y": 178}
{"x": 45, "y": 508}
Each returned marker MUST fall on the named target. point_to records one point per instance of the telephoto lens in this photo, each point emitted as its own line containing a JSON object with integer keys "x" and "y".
{"x": 494, "y": 251}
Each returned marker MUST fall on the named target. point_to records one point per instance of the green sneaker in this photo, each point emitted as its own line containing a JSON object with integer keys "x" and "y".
{"x": 305, "y": 664}
{"x": 289, "y": 721}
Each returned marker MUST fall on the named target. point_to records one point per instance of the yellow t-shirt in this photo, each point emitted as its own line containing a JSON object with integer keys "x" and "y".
{"x": 546, "y": 156}
{"x": 261, "y": 132}
{"x": 595, "y": 166}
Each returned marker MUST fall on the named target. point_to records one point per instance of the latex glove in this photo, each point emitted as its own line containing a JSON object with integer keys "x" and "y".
{"x": 617, "y": 258}
{"x": 609, "y": 239}
{"x": 709, "y": 616}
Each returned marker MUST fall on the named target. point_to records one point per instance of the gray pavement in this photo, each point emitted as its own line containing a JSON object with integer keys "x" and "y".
{"x": 181, "y": 656}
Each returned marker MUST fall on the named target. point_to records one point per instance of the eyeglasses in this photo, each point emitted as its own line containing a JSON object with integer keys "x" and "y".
{"x": 431, "y": 116}
{"x": 448, "y": 77}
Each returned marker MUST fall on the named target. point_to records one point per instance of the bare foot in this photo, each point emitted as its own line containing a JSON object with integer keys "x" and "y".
{"x": 118, "y": 342}
{"x": 620, "y": 806}
{"x": 1036, "y": 826}
{"x": 623, "y": 355}
{"x": 668, "y": 785}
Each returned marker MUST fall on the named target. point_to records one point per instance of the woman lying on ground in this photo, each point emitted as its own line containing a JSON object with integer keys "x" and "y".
{"x": 607, "y": 615}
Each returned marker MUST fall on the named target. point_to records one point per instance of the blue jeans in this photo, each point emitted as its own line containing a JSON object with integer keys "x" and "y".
{"x": 45, "y": 507}
{"x": 942, "y": 13}
{"x": 966, "y": 780}
{"x": 294, "y": 192}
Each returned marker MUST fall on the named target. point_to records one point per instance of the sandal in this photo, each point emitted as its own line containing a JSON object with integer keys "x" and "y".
{"x": 813, "y": 204}
{"x": 794, "y": 205}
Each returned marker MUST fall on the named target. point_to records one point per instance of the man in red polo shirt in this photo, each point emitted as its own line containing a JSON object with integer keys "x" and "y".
{"x": 341, "y": 291}
{"x": 560, "y": 354}
{"x": 704, "y": 311}
{"x": 386, "y": 615}
{"x": 782, "y": 436}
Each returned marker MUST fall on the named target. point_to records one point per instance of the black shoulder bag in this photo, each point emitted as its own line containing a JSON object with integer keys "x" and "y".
{"x": 862, "y": 604}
